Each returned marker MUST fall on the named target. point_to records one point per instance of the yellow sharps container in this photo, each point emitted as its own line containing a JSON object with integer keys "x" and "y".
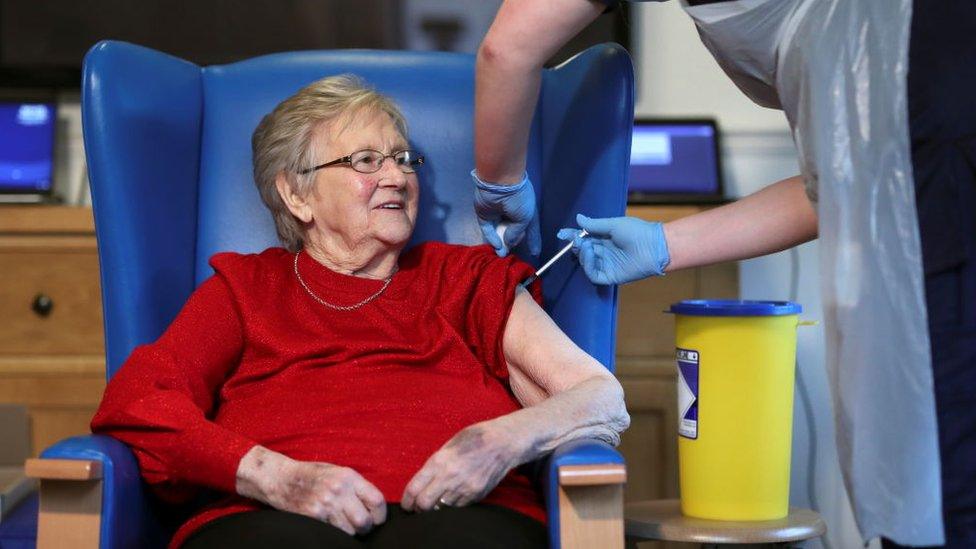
{"x": 736, "y": 364}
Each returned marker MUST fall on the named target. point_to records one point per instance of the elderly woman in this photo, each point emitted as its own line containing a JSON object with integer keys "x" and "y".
{"x": 340, "y": 393}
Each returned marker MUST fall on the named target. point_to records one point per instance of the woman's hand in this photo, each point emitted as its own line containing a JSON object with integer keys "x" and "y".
{"x": 337, "y": 495}
{"x": 464, "y": 470}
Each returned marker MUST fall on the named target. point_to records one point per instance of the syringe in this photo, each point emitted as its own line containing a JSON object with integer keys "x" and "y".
{"x": 542, "y": 269}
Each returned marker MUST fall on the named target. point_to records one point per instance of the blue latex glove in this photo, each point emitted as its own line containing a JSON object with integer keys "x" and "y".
{"x": 514, "y": 204}
{"x": 619, "y": 249}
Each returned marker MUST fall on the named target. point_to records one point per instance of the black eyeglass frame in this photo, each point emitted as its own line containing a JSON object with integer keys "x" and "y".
{"x": 348, "y": 160}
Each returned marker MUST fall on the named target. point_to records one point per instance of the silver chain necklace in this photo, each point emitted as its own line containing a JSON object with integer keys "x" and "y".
{"x": 338, "y": 307}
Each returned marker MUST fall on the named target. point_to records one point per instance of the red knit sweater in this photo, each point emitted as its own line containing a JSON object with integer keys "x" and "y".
{"x": 253, "y": 359}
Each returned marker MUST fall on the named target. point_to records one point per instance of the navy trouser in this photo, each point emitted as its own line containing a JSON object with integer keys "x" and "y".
{"x": 942, "y": 124}
{"x": 474, "y": 527}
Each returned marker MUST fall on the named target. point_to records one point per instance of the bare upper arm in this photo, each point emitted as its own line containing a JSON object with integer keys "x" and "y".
{"x": 542, "y": 360}
{"x": 533, "y": 30}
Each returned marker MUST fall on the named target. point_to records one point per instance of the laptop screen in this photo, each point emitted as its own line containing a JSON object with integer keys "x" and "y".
{"x": 26, "y": 147}
{"x": 675, "y": 158}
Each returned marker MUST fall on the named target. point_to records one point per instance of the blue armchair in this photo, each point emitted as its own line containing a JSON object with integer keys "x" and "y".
{"x": 168, "y": 146}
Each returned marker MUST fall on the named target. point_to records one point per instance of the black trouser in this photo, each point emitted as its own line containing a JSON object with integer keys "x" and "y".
{"x": 942, "y": 125}
{"x": 477, "y": 526}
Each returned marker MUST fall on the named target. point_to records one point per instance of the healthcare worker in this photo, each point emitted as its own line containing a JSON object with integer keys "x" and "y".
{"x": 881, "y": 100}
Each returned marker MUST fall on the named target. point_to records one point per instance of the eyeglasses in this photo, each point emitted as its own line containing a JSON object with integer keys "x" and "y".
{"x": 370, "y": 161}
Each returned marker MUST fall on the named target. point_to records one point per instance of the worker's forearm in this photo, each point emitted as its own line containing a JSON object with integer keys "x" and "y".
{"x": 771, "y": 220}
{"x": 592, "y": 409}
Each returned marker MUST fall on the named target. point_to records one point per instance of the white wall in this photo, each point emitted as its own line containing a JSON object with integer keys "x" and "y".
{"x": 677, "y": 76}
{"x": 70, "y": 177}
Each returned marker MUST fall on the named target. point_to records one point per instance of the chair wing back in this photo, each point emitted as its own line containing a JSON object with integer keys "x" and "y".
{"x": 169, "y": 155}
{"x": 141, "y": 117}
{"x": 587, "y": 117}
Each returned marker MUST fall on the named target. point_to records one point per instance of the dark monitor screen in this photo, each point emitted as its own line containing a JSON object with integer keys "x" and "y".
{"x": 26, "y": 147}
{"x": 675, "y": 158}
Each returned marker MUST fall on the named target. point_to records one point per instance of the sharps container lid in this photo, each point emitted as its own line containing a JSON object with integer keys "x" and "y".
{"x": 735, "y": 307}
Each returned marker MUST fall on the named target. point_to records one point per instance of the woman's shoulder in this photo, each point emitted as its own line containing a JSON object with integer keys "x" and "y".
{"x": 441, "y": 255}
{"x": 433, "y": 248}
{"x": 457, "y": 264}
{"x": 237, "y": 265}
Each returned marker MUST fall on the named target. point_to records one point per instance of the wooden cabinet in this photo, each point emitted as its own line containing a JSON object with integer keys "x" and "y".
{"x": 645, "y": 363}
{"x": 51, "y": 343}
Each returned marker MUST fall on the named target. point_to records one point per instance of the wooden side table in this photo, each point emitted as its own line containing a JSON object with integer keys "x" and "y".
{"x": 662, "y": 520}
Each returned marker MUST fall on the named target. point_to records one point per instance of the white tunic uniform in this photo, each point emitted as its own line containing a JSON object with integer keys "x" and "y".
{"x": 838, "y": 70}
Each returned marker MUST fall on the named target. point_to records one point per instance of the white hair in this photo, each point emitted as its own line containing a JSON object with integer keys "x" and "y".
{"x": 282, "y": 142}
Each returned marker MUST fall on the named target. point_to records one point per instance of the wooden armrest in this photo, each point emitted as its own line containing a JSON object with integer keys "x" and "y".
{"x": 71, "y": 502}
{"x": 592, "y": 475}
{"x": 591, "y": 506}
{"x": 63, "y": 469}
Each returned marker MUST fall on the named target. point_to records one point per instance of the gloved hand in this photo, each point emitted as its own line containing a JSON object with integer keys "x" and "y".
{"x": 507, "y": 203}
{"x": 618, "y": 250}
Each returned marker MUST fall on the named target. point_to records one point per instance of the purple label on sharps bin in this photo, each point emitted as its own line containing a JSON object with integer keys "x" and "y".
{"x": 687, "y": 392}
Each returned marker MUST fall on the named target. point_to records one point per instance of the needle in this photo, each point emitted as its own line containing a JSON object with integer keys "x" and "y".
{"x": 549, "y": 263}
